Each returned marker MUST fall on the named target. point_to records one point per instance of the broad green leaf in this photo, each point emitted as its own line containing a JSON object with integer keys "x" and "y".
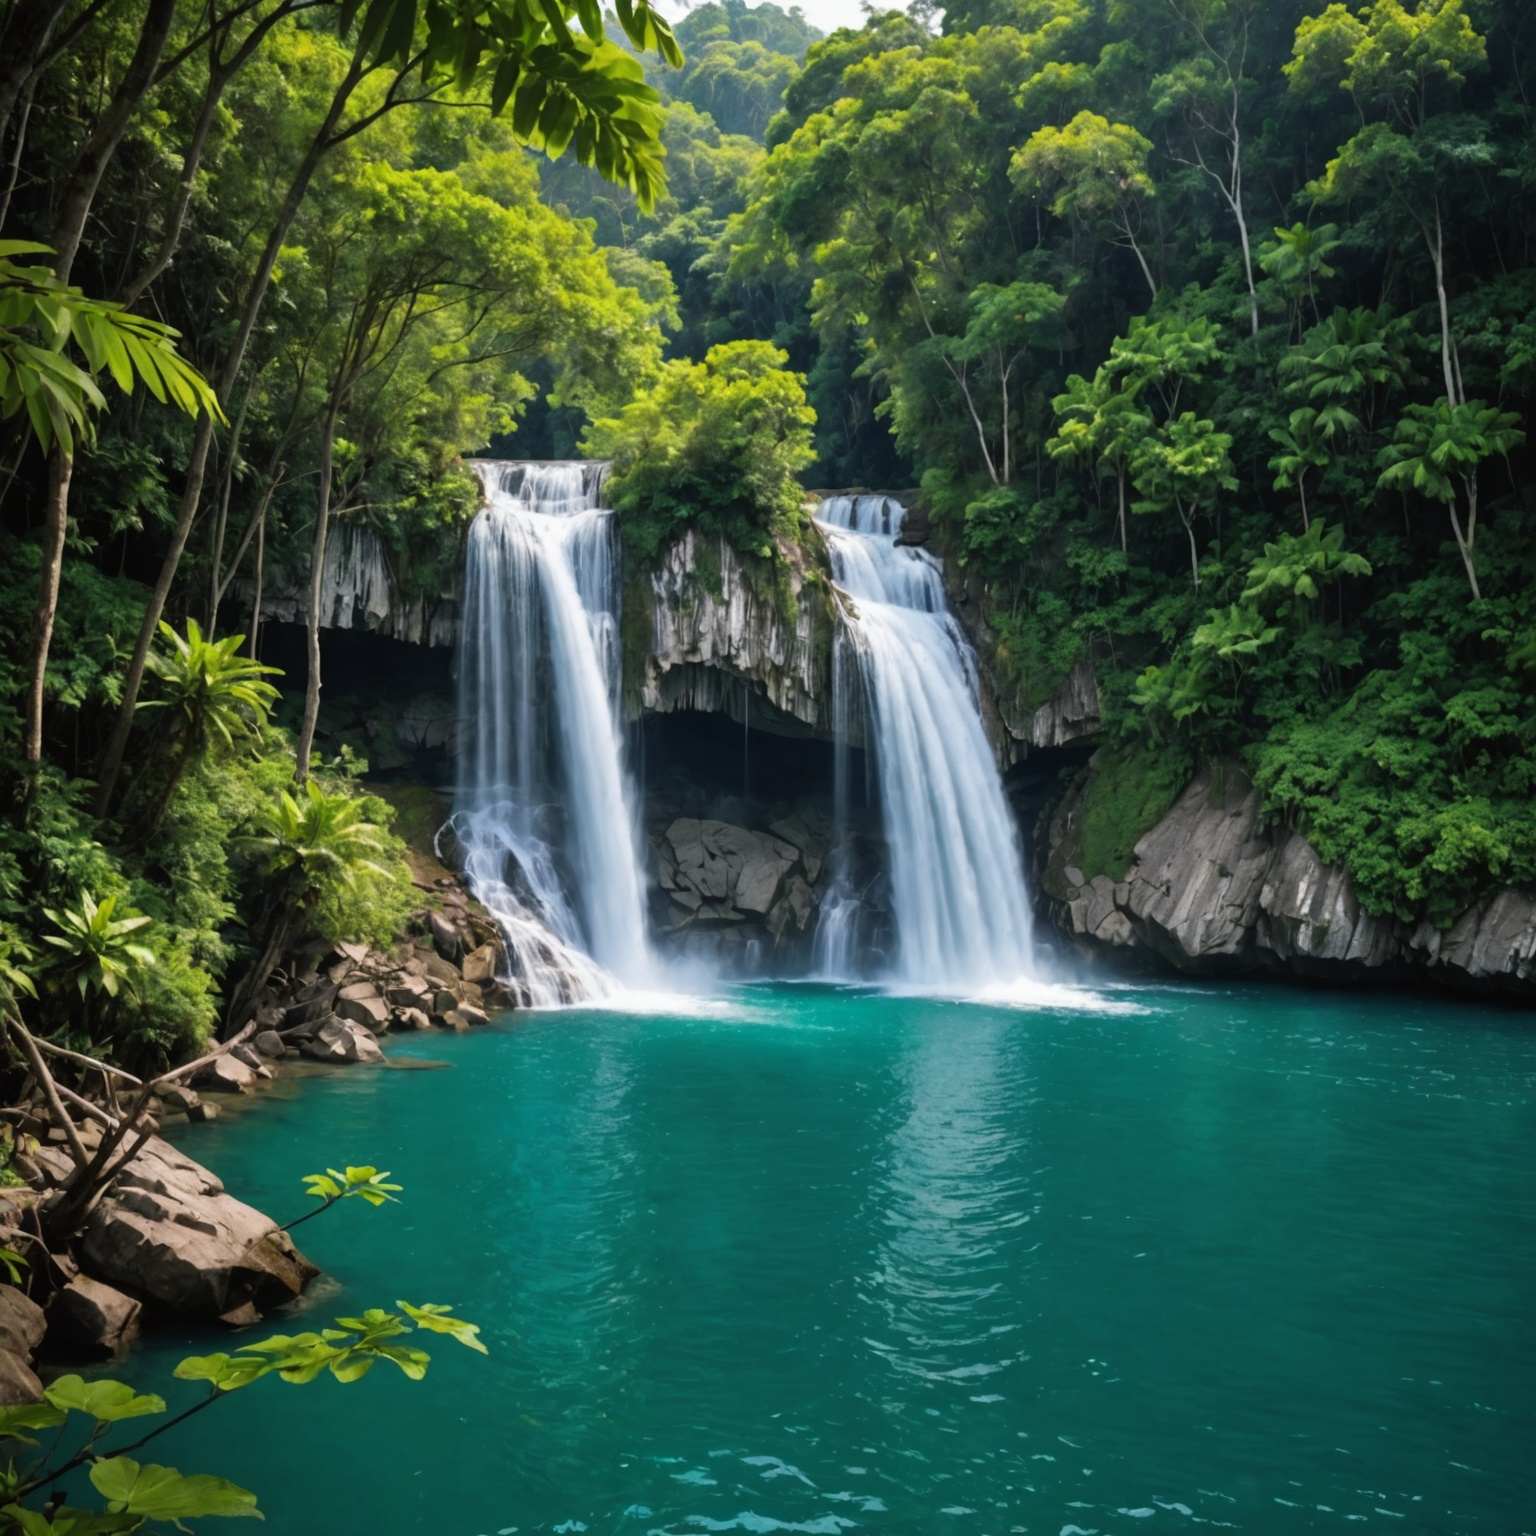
{"x": 105, "y": 1401}
{"x": 439, "y": 1319}
{"x": 163, "y": 1493}
{"x": 17, "y": 1417}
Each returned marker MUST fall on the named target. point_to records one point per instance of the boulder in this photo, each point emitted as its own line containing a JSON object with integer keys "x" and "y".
{"x": 203, "y": 1112}
{"x": 444, "y": 1001}
{"x": 471, "y": 1016}
{"x": 408, "y": 992}
{"x": 480, "y": 964}
{"x": 412, "y": 1018}
{"x": 18, "y": 1381}
{"x": 361, "y": 1004}
{"x": 445, "y": 936}
{"x": 269, "y": 1043}
{"x": 89, "y": 1320}
{"x": 341, "y": 1040}
{"x": 169, "y": 1235}
{"x": 226, "y": 1074}
{"x": 22, "y": 1323}
{"x": 442, "y": 972}
{"x": 179, "y": 1096}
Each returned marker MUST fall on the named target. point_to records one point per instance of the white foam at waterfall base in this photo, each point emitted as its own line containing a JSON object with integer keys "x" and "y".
{"x": 546, "y": 796}
{"x": 956, "y": 873}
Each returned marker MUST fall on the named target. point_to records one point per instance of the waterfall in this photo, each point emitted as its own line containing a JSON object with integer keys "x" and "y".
{"x": 544, "y": 807}
{"x": 956, "y": 874}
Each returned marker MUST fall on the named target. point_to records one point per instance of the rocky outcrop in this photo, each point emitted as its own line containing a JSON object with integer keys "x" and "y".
{"x": 1069, "y": 716}
{"x": 724, "y": 639}
{"x": 743, "y": 896}
{"x": 168, "y": 1235}
{"x": 1210, "y": 889}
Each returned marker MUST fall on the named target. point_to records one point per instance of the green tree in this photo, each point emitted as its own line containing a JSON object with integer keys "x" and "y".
{"x": 1437, "y": 452}
{"x": 1182, "y": 468}
{"x": 1093, "y": 172}
{"x": 216, "y": 696}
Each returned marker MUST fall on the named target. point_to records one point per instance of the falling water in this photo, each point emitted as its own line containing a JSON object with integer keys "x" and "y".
{"x": 957, "y": 881}
{"x": 545, "y": 798}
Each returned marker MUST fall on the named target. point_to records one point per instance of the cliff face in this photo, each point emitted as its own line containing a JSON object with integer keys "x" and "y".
{"x": 358, "y": 592}
{"x": 721, "y": 638}
{"x": 1209, "y": 890}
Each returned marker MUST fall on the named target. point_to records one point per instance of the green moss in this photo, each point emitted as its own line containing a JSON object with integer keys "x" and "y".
{"x": 706, "y": 567}
{"x": 1129, "y": 792}
{"x": 419, "y": 812}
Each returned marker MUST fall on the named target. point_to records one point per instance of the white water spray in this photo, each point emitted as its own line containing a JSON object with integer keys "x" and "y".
{"x": 957, "y": 877}
{"x": 545, "y": 792}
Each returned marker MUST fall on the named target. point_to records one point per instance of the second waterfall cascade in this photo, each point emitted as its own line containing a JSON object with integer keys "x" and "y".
{"x": 956, "y": 873}
{"x": 543, "y": 797}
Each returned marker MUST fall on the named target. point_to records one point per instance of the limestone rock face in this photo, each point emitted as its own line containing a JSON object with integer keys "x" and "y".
{"x": 722, "y": 641}
{"x": 357, "y": 592}
{"x": 168, "y": 1235}
{"x": 1211, "y": 889}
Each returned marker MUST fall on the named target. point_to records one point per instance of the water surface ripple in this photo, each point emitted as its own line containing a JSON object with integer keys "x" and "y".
{"x": 1246, "y": 1259}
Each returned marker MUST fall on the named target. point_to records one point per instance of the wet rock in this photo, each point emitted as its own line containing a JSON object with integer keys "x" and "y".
{"x": 444, "y": 1001}
{"x": 90, "y": 1320}
{"x": 269, "y": 1044}
{"x": 169, "y": 1235}
{"x": 201, "y": 1113}
{"x": 341, "y": 1040}
{"x": 469, "y": 1015}
{"x": 412, "y": 1018}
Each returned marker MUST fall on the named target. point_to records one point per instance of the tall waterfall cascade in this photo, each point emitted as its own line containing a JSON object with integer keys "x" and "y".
{"x": 956, "y": 872}
{"x": 545, "y": 820}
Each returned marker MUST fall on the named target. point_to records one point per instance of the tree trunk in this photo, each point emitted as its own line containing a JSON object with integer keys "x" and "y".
{"x": 1437, "y": 256}
{"x": 1466, "y": 554}
{"x": 1194, "y": 555}
{"x": 26, "y": 34}
{"x": 255, "y": 295}
{"x": 306, "y": 740}
{"x": 60, "y": 468}
{"x": 1301, "y": 486}
{"x": 97, "y": 151}
{"x": 253, "y": 639}
{"x": 1125, "y": 547}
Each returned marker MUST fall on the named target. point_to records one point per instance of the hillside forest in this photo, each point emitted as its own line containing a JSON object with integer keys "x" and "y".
{"x": 1205, "y": 331}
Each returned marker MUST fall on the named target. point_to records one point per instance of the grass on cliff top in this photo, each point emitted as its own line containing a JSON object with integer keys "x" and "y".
{"x": 1128, "y": 793}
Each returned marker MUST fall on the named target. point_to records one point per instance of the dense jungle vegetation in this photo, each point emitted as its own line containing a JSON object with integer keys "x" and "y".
{"x": 1205, "y": 327}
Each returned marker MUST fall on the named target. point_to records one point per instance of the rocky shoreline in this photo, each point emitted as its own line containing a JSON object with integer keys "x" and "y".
{"x": 167, "y": 1242}
{"x": 1211, "y": 890}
